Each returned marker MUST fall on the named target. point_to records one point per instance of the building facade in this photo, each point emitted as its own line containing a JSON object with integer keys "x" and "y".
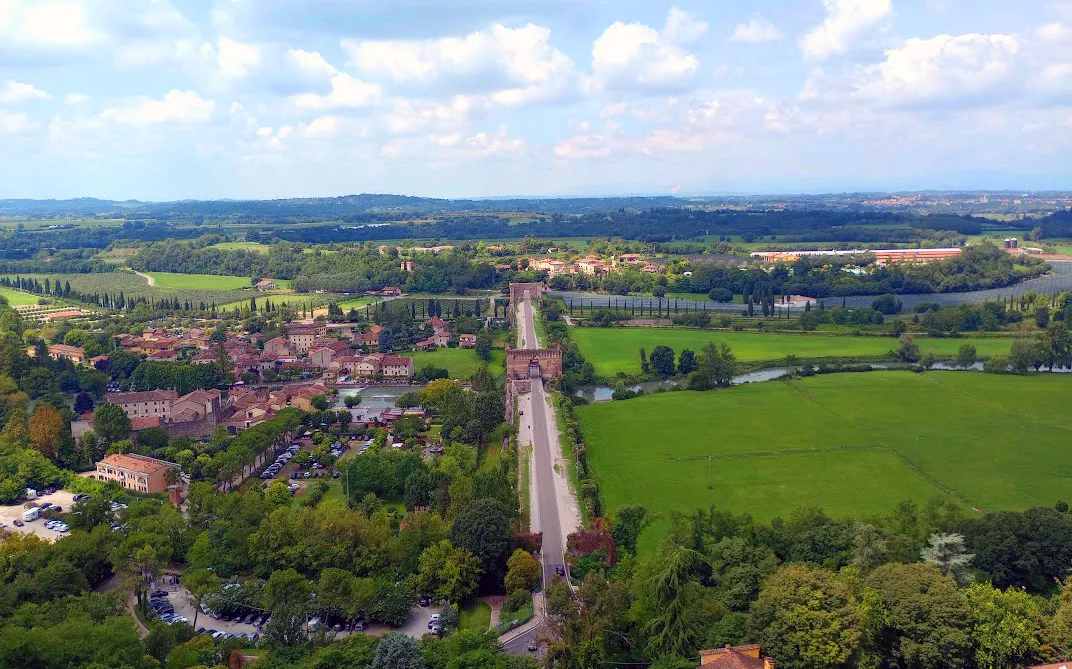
{"x": 135, "y": 472}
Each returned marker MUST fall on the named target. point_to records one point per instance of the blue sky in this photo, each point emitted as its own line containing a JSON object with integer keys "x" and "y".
{"x": 173, "y": 99}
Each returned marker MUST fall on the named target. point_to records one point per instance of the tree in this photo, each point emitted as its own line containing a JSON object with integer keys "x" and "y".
{"x": 717, "y": 365}
{"x": 662, "y": 361}
{"x": 278, "y": 494}
{"x": 320, "y": 403}
{"x": 483, "y": 528}
{"x": 46, "y": 429}
{"x": 868, "y": 548}
{"x": 1024, "y": 355}
{"x": 925, "y": 620}
{"x": 82, "y": 403}
{"x": 1042, "y": 316}
{"x": 908, "y": 350}
{"x": 398, "y": 651}
{"x": 1062, "y": 618}
{"x": 483, "y": 346}
{"x": 886, "y": 304}
{"x": 670, "y": 596}
{"x": 352, "y": 401}
{"x": 629, "y": 521}
{"x": 686, "y": 362}
{"x": 805, "y": 618}
{"x": 449, "y": 573}
{"x": 644, "y": 367}
{"x": 1055, "y": 345}
{"x": 286, "y": 595}
{"x": 111, "y": 423}
{"x": 1005, "y": 626}
{"x": 946, "y": 552}
{"x": 522, "y": 572}
{"x": 200, "y": 583}
{"x": 966, "y": 356}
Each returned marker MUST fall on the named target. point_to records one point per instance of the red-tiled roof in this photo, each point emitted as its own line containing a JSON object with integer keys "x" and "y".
{"x": 134, "y": 463}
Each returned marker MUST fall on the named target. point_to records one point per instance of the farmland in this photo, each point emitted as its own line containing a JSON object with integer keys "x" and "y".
{"x": 17, "y": 298}
{"x": 460, "y": 362}
{"x": 357, "y": 303}
{"x": 613, "y": 350}
{"x": 253, "y": 247}
{"x": 199, "y": 281}
{"x": 854, "y": 444}
{"x": 132, "y": 285}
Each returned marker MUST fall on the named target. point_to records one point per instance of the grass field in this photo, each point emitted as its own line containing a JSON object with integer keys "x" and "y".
{"x": 613, "y": 350}
{"x": 475, "y": 616}
{"x": 460, "y": 362}
{"x": 199, "y": 281}
{"x": 17, "y": 298}
{"x": 357, "y": 303}
{"x": 854, "y": 444}
{"x": 241, "y": 246}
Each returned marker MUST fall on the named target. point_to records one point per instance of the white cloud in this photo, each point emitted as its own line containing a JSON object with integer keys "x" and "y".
{"x": 414, "y": 116}
{"x": 516, "y": 65}
{"x": 943, "y": 67}
{"x": 14, "y": 92}
{"x": 54, "y": 24}
{"x": 846, "y": 21}
{"x": 310, "y": 62}
{"x": 73, "y": 99}
{"x": 346, "y": 92}
{"x": 177, "y": 106}
{"x": 15, "y": 124}
{"x": 482, "y": 144}
{"x": 236, "y": 59}
{"x": 636, "y": 56}
{"x": 757, "y": 30}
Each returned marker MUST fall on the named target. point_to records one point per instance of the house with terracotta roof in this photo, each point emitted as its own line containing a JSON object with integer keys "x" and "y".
{"x": 395, "y": 366}
{"x": 135, "y": 472}
{"x": 150, "y": 403}
{"x": 278, "y": 345}
{"x": 467, "y": 340}
{"x": 266, "y": 284}
{"x": 735, "y": 657}
{"x": 301, "y": 337}
{"x": 75, "y": 354}
{"x": 371, "y": 338}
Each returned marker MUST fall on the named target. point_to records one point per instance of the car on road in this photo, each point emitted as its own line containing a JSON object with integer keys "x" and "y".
{"x": 433, "y": 621}
{"x": 18, "y": 523}
{"x": 532, "y": 646}
{"x": 560, "y": 570}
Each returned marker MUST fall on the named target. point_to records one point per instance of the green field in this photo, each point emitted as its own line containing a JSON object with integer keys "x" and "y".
{"x": 854, "y": 444}
{"x": 460, "y": 362}
{"x": 475, "y": 616}
{"x": 132, "y": 285}
{"x": 199, "y": 281}
{"x": 241, "y": 246}
{"x": 357, "y": 303}
{"x": 613, "y": 350}
{"x": 17, "y": 298}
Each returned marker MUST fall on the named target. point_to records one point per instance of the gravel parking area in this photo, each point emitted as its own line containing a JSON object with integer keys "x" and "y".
{"x": 8, "y": 515}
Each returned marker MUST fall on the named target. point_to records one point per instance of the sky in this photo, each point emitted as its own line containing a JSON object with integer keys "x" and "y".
{"x": 207, "y": 99}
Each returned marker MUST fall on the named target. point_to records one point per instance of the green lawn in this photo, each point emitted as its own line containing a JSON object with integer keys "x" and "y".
{"x": 334, "y": 497}
{"x": 613, "y": 350}
{"x": 17, "y": 298}
{"x": 241, "y": 246}
{"x": 357, "y": 303}
{"x": 854, "y": 444}
{"x": 199, "y": 281}
{"x": 460, "y": 362}
{"x": 475, "y": 616}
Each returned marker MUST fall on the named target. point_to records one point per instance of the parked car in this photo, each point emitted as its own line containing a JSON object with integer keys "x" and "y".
{"x": 82, "y": 497}
{"x": 433, "y": 621}
{"x": 18, "y": 523}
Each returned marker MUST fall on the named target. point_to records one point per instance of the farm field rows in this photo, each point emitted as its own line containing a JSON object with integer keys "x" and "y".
{"x": 613, "y": 350}
{"x": 133, "y": 285}
{"x": 357, "y": 303}
{"x": 854, "y": 444}
{"x": 460, "y": 362}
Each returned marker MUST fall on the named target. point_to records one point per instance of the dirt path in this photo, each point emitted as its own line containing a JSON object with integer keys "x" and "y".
{"x": 151, "y": 280}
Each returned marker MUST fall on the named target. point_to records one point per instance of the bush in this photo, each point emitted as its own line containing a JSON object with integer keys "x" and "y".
{"x": 721, "y": 295}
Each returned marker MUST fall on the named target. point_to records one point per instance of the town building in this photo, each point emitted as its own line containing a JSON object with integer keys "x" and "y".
{"x": 266, "y": 284}
{"x": 301, "y": 337}
{"x": 396, "y": 366}
{"x": 75, "y": 354}
{"x": 146, "y": 404}
{"x": 467, "y": 340}
{"x": 735, "y": 657}
{"x": 135, "y": 472}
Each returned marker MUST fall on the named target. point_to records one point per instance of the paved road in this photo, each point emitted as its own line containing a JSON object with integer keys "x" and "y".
{"x": 536, "y": 426}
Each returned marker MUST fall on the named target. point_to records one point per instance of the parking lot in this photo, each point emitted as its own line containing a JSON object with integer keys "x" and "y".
{"x": 9, "y": 514}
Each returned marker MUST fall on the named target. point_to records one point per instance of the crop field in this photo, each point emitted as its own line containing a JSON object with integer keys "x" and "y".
{"x": 460, "y": 362}
{"x": 253, "y": 247}
{"x": 854, "y": 444}
{"x": 357, "y": 303}
{"x": 17, "y": 298}
{"x": 199, "y": 281}
{"x": 613, "y": 350}
{"x": 133, "y": 285}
